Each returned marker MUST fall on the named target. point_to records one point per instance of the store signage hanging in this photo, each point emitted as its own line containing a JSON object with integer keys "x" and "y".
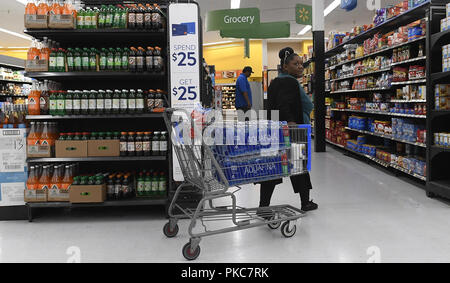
{"x": 349, "y": 5}
{"x": 303, "y": 14}
{"x": 184, "y": 62}
{"x": 264, "y": 31}
{"x": 232, "y": 19}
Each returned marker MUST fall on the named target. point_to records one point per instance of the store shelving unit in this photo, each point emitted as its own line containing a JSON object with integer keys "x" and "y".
{"x": 426, "y": 10}
{"x": 228, "y": 96}
{"x": 438, "y": 182}
{"x": 108, "y": 80}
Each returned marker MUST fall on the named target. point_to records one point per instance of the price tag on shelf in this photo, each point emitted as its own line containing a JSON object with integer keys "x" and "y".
{"x": 184, "y": 55}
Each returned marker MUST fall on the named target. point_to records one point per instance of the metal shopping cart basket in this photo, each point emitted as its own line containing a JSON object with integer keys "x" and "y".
{"x": 251, "y": 152}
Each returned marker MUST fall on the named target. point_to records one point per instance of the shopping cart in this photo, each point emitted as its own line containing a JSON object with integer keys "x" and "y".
{"x": 271, "y": 152}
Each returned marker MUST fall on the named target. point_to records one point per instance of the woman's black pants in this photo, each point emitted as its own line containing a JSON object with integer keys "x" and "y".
{"x": 301, "y": 184}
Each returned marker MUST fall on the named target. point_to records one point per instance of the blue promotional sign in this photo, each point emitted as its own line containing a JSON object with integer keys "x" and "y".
{"x": 349, "y": 5}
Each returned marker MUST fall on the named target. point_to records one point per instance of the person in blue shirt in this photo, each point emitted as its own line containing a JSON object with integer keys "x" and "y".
{"x": 243, "y": 92}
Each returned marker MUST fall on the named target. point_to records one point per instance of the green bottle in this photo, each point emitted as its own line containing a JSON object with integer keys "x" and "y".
{"x": 109, "y": 17}
{"x": 123, "y": 17}
{"x": 93, "y": 102}
{"x": 76, "y": 102}
{"x": 88, "y": 18}
{"x": 61, "y": 61}
{"x": 77, "y": 60}
{"x": 93, "y": 60}
{"x": 103, "y": 59}
{"x": 125, "y": 59}
{"x": 110, "y": 59}
{"x": 85, "y": 102}
{"x": 147, "y": 185}
{"x": 102, "y": 17}
{"x": 162, "y": 184}
{"x": 69, "y": 103}
{"x": 52, "y": 60}
{"x": 53, "y": 109}
{"x": 85, "y": 59}
{"x": 60, "y": 104}
{"x": 117, "y": 17}
{"x": 70, "y": 60}
{"x": 94, "y": 136}
{"x": 118, "y": 59}
{"x": 94, "y": 18}
{"x": 80, "y": 19}
{"x": 116, "y": 102}
{"x": 140, "y": 185}
{"x": 108, "y": 101}
{"x": 101, "y": 102}
{"x": 155, "y": 184}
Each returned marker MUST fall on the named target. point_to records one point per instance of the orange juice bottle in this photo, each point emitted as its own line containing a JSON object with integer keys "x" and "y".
{"x": 42, "y": 8}
{"x": 55, "y": 182}
{"x": 34, "y": 107}
{"x": 33, "y": 52}
{"x": 34, "y": 135}
{"x": 44, "y": 181}
{"x": 55, "y": 8}
{"x": 30, "y": 8}
{"x": 67, "y": 8}
{"x": 68, "y": 179}
{"x": 45, "y": 50}
{"x": 47, "y": 138}
{"x": 33, "y": 180}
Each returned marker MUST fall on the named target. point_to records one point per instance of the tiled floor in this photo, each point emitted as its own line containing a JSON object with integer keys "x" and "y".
{"x": 365, "y": 215}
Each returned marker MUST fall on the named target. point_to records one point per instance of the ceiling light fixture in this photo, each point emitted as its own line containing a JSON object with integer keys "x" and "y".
{"x": 15, "y": 34}
{"x": 235, "y": 4}
{"x": 326, "y": 12}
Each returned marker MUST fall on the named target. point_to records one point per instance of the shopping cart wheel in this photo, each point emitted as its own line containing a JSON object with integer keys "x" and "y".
{"x": 170, "y": 233}
{"x": 285, "y": 230}
{"x": 189, "y": 254}
{"x": 275, "y": 225}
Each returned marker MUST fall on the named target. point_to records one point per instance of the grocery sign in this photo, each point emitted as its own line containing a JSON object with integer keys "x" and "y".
{"x": 232, "y": 19}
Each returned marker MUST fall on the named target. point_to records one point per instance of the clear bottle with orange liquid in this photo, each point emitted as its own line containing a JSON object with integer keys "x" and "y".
{"x": 34, "y": 107}
{"x": 55, "y": 8}
{"x": 33, "y": 179}
{"x": 47, "y": 137}
{"x": 44, "y": 180}
{"x": 31, "y": 8}
{"x": 42, "y": 8}
{"x": 34, "y": 136}
{"x": 67, "y": 181}
{"x": 55, "y": 182}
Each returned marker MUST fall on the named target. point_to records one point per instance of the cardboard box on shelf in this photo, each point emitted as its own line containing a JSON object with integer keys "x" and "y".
{"x": 40, "y": 151}
{"x": 87, "y": 194}
{"x": 61, "y": 22}
{"x": 36, "y": 65}
{"x": 36, "y": 21}
{"x": 58, "y": 195}
{"x": 70, "y": 149}
{"x": 103, "y": 148}
{"x": 35, "y": 195}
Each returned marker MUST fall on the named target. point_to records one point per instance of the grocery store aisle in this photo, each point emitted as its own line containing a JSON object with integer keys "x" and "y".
{"x": 360, "y": 207}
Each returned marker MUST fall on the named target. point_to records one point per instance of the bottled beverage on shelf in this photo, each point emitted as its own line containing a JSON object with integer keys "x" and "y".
{"x": 140, "y": 65}
{"x": 85, "y": 102}
{"x": 123, "y": 144}
{"x": 93, "y": 59}
{"x": 150, "y": 100}
{"x": 163, "y": 144}
{"x": 149, "y": 60}
{"x": 157, "y": 18}
{"x": 131, "y": 17}
{"x": 78, "y": 66}
{"x": 131, "y": 100}
{"x": 33, "y": 180}
{"x": 34, "y": 100}
{"x": 76, "y": 104}
{"x": 139, "y": 144}
{"x": 140, "y": 104}
{"x": 158, "y": 61}
{"x": 125, "y": 60}
{"x": 85, "y": 59}
{"x": 61, "y": 103}
{"x": 108, "y": 101}
{"x": 80, "y": 19}
{"x": 110, "y": 59}
{"x": 131, "y": 145}
{"x": 146, "y": 144}
{"x": 116, "y": 102}
{"x": 70, "y": 60}
{"x": 55, "y": 8}
{"x": 117, "y": 59}
{"x": 55, "y": 182}
{"x": 140, "y": 11}
{"x": 92, "y": 102}
{"x": 61, "y": 60}
{"x": 148, "y": 17}
{"x": 44, "y": 180}
{"x": 132, "y": 66}
{"x": 31, "y": 8}
{"x": 156, "y": 144}
{"x": 101, "y": 102}
{"x": 67, "y": 180}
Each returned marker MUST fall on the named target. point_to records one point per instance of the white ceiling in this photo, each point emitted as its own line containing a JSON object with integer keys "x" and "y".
{"x": 11, "y": 17}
